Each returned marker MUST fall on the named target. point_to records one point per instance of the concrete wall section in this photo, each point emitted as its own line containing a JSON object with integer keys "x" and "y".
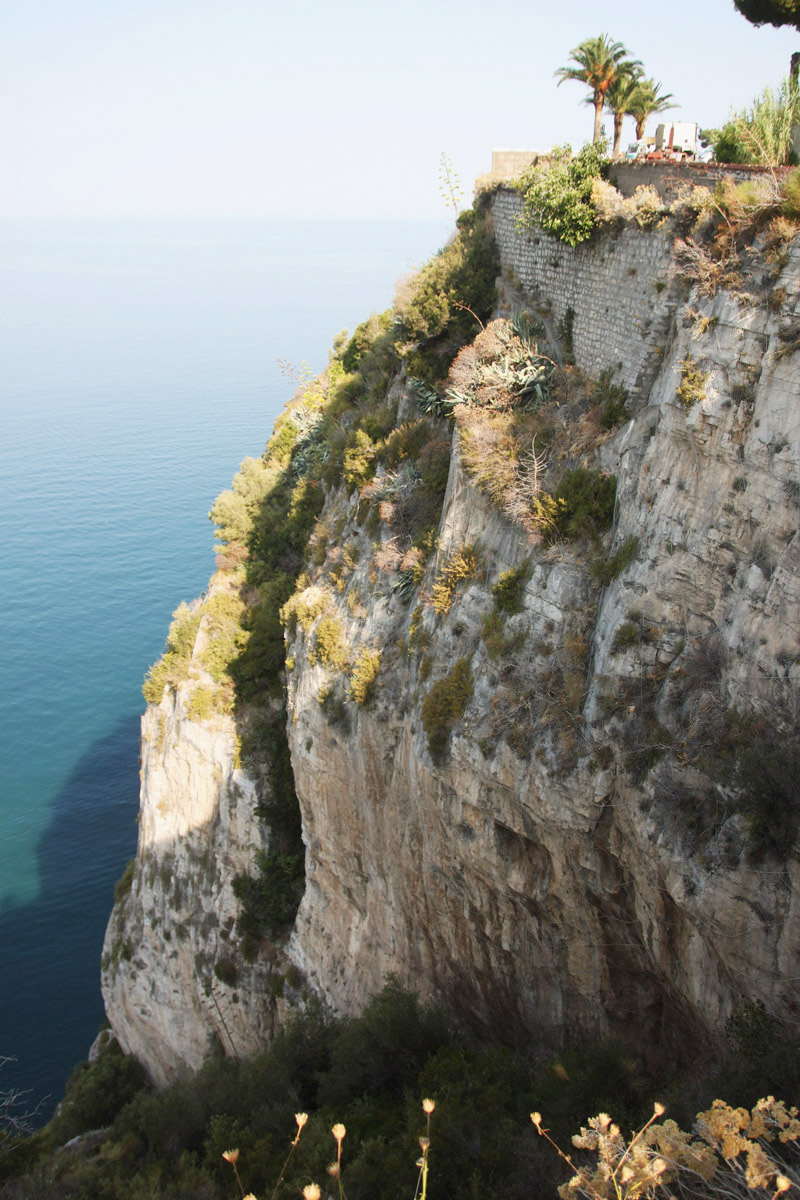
{"x": 619, "y": 285}
{"x": 509, "y": 164}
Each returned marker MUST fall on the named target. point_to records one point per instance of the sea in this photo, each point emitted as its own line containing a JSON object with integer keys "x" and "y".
{"x": 140, "y": 361}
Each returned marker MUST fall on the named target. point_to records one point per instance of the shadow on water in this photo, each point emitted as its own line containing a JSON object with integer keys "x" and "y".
{"x": 50, "y": 1003}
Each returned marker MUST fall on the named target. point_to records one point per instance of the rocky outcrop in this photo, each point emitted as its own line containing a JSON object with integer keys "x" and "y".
{"x": 570, "y": 854}
{"x": 175, "y": 983}
{"x": 544, "y": 877}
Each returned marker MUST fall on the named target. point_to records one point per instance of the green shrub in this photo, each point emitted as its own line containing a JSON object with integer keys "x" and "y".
{"x": 566, "y": 332}
{"x": 383, "y": 1049}
{"x": 359, "y": 460}
{"x": 329, "y": 645}
{"x": 626, "y": 636}
{"x": 364, "y": 339}
{"x": 202, "y": 703}
{"x": 442, "y": 305}
{"x": 603, "y": 570}
{"x": 509, "y": 591}
{"x": 125, "y": 882}
{"x": 762, "y": 133}
{"x": 333, "y": 707}
{"x": 558, "y": 196}
{"x": 364, "y": 675}
{"x": 461, "y": 565}
{"x": 614, "y": 399}
{"x": 406, "y": 441}
{"x": 790, "y": 195}
{"x": 445, "y": 704}
{"x": 270, "y": 898}
{"x": 303, "y": 608}
{"x": 585, "y": 499}
{"x": 498, "y": 644}
{"x": 226, "y": 971}
{"x": 96, "y": 1093}
{"x": 692, "y": 387}
{"x": 759, "y": 766}
{"x": 173, "y": 667}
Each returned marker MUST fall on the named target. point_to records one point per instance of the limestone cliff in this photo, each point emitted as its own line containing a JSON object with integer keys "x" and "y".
{"x": 592, "y": 826}
{"x": 175, "y": 983}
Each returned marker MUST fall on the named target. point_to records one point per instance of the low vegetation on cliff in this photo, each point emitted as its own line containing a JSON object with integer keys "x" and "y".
{"x": 368, "y": 1074}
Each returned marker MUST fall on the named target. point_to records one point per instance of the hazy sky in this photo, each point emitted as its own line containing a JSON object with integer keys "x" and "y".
{"x": 249, "y": 107}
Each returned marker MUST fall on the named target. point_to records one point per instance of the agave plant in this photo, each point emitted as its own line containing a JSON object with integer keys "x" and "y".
{"x": 431, "y": 402}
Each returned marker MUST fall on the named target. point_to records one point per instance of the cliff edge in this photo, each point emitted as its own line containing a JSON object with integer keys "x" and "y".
{"x": 541, "y": 667}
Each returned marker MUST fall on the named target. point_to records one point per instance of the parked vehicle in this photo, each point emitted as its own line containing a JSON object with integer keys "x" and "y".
{"x": 638, "y": 151}
{"x": 675, "y": 141}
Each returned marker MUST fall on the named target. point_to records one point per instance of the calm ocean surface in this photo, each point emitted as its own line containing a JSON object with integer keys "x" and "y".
{"x": 138, "y": 366}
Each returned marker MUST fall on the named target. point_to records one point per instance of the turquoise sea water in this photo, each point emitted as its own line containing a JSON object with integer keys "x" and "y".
{"x": 138, "y": 366}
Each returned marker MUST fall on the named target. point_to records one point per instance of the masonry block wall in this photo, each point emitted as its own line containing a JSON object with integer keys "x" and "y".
{"x": 620, "y": 286}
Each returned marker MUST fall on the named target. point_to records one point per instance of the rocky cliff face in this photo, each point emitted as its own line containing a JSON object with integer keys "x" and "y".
{"x": 175, "y": 983}
{"x": 573, "y": 813}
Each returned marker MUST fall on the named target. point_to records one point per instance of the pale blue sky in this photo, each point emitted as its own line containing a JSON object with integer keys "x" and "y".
{"x": 249, "y": 107}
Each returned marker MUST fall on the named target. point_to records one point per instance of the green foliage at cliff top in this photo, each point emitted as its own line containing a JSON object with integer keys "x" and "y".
{"x": 558, "y": 195}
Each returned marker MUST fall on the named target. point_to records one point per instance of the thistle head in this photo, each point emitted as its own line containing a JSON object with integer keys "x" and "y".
{"x": 311, "y": 1191}
{"x": 301, "y": 1119}
{"x": 428, "y": 1106}
{"x": 338, "y": 1132}
{"x": 231, "y": 1156}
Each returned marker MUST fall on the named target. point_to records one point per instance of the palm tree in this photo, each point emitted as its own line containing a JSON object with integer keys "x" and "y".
{"x": 647, "y": 102}
{"x": 598, "y": 61}
{"x": 622, "y": 94}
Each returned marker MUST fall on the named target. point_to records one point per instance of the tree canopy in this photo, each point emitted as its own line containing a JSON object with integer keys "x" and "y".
{"x": 770, "y": 12}
{"x": 598, "y": 61}
{"x": 646, "y": 102}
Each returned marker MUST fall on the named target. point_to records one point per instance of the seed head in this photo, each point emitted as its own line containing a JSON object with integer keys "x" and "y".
{"x": 537, "y": 1119}
{"x": 301, "y": 1119}
{"x": 231, "y": 1156}
{"x": 333, "y": 1170}
{"x": 659, "y": 1109}
{"x": 338, "y": 1132}
{"x": 782, "y": 1184}
{"x": 311, "y": 1191}
{"x": 424, "y": 1144}
{"x": 428, "y": 1106}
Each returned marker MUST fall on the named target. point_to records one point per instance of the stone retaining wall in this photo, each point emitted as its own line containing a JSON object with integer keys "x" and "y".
{"x": 620, "y": 286}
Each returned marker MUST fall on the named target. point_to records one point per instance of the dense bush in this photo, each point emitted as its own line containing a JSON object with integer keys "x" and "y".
{"x": 364, "y": 675}
{"x": 370, "y": 1073}
{"x": 761, "y": 133}
{"x": 445, "y": 704}
{"x": 441, "y": 307}
{"x": 558, "y": 195}
{"x": 462, "y": 565}
{"x": 585, "y": 499}
{"x": 509, "y": 591}
{"x": 96, "y": 1093}
{"x": 269, "y": 899}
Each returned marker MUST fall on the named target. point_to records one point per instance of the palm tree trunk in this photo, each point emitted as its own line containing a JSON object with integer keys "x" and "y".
{"x": 598, "y": 117}
{"x": 640, "y": 128}
{"x": 617, "y": 134}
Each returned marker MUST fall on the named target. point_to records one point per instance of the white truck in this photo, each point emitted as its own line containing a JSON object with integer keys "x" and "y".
{"x": 676, "y": 141}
